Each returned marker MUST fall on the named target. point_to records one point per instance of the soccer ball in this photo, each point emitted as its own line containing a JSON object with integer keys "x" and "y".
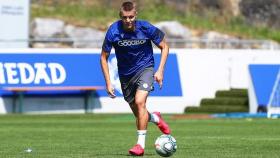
{"x": 165, "y": 145}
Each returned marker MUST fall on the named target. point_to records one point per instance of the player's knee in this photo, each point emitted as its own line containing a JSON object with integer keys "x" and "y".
{"x": 140, "y": 103}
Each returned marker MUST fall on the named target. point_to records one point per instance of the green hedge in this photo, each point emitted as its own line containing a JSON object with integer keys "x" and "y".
{"x": 216, "y": 109}
{"x": 232, "y": 93}
{"x": 233, "y": 100}
{"x": 225, "y": 101}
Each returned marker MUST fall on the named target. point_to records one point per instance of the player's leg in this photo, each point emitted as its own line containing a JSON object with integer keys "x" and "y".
{"x": 156, "y": 118}
{"x": 129, "y": 88}
{"x": 135, "y": 112}
{"x": 141, "y": 114}
{"x": 145, "y": 83}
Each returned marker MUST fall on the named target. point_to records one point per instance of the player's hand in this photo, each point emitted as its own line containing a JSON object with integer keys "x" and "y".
{"x": 158, "y": 77}
{"x": 111, "y": 91}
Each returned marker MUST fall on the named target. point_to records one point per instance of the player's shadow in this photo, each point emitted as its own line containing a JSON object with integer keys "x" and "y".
{"x": 145, "y": 155}
{"x": 125, "y": 155}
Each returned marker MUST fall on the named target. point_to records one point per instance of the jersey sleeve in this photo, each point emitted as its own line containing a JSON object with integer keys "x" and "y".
{"x": 156, "y": 34}
{"x": 107, "y": 43}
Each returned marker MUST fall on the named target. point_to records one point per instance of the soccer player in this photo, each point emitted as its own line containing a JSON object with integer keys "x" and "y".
{"x": 132, "y": 40}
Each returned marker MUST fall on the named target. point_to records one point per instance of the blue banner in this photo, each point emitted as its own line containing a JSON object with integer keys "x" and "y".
{"x": 263, "y": 79}
{"x": 17, "y": 70}
{"x": 28, "y": 70}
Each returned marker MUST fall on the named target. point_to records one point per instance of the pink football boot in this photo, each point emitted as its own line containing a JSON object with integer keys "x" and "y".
{"x": 137, "y": 150}
{"x": 162, "y": 125}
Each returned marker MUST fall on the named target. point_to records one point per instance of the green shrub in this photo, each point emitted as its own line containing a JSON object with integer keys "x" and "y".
{"x": 225, "y": 101}
{"x": 216, "y": 109}
{"x": 233, "y": 100}
{"x": 232, "y": 93}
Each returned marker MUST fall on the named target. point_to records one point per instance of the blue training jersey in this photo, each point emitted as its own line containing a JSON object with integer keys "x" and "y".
{"x": 133, "y": 50}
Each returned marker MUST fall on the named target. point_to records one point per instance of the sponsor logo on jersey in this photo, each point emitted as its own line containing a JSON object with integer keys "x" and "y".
{"x": 124, "y": 43}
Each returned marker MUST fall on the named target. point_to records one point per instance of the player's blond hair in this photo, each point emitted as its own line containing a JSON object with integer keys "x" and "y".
{"x": 127, "y": 6}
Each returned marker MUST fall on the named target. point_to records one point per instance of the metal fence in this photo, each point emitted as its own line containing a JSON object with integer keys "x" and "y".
{"x": 173, "y": 43}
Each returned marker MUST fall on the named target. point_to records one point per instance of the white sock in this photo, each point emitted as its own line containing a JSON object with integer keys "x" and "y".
{"x": 154, "y": 118}
{"x": 141, "y": 137}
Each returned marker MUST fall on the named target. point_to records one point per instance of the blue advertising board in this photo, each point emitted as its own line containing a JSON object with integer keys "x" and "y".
{"x": 73, "y": 69}
{"x": 30, "y": 70}
{"x": 263, "y": 78}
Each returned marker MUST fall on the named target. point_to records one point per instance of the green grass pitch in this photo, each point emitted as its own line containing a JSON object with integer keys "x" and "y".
{"x": 108, "y": 135}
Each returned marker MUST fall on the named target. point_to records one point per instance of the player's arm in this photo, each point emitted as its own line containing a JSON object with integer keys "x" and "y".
{"x": 158, "y": 77}
{"x": 105, "y": 69}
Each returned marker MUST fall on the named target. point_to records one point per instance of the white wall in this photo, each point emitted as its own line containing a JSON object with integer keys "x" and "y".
{"x": 203, "y": 72}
